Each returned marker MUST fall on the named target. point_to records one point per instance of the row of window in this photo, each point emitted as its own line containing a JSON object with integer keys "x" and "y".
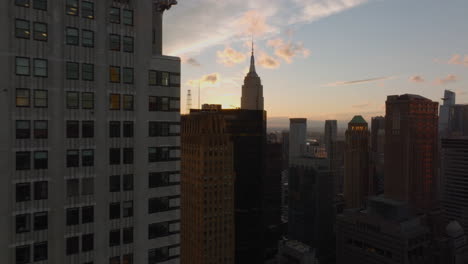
{"x": 73, "y": 215}
{"x": 40, "y": 67}
{"x": 72, "y": 71}
{"x": 115, "y": 75}
{"x": 161, "y": 129}
{"x": 23, "y": 223}
{"x": 73, "y": 129}
{"x": 40, "y": 160}
{"x": 157, "y": 154}
{"x": 115, "y": 157}
{"x": 126, "y": 259}
{"x": 73, "y": 187}
{"x": 24, "y": 192}
{"x": 115, "y": 236}
{"x": 23, "y": 30}
{"x": 160, "y": 179}
{"x": 118, "y": 210}
{"x": 37, "y": 4}
{"x": 73, "y": 100}
{"x": 118, "y": 43}
{"x": 115, "y": 185}
{"x": 23, "y": 253}
{"x": 124, "y": 102}
{"x": 72, "y": 37}
{"x": 39, "y": 129}
{"x": 116, "y": 127}
{"x": 73, "y": 244}
{"x": 39, "y": 100}
{"x": 73, "y": 158}
{"x": 87, "y": 8}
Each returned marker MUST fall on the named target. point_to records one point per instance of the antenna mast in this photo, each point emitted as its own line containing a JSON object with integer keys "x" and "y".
{"x": 189, "y": 101}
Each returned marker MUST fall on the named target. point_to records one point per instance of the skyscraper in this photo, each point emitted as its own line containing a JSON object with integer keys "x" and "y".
{"x": 449, "y": 101}
{"x": 356, "y": 178}
{"x": 89, "y": 145}
{"x": 252, "y": 90}
{"x": 411, "y": 150}
{"x": 377, "y": 153}
{"x": 297, "y": 137}
{"x": 330, "y": 135}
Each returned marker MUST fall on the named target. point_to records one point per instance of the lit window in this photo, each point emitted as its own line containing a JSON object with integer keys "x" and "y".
{"x": 87, "y": 100}
{"x": 40, "y": 160}
{"x": 88, "y": 38}
{"x": 22, "y": 66}
{"x": 71, "y": 7}
{"x": 127, "y": 17}
{"x": 87, "y": 158}
{"x": 153, "y": 78}
{"x": 72, "y": 70}
{"x": 23, "y": 129}
{"x": 22, "y": 97}
{"x": 87, "y": 9}
{"x": 72, "y": 36}
{"x": 165, "y": 79}
{"x": 40, "y": 98}
{"x": 40, "y": 68}
{"x": 87, "y": 72}
{"x": 114, "y": 74}
{"x": 114, "y": 102}
{"x": 114, "y": 15}
{"x": 114, "y": 42}
{"x": 40, "y": 129}
{"x": 73, "y": 100}
{"x": 40, "y": 31}
{"x": 128, "y": 102}
{"x": 22, "y": 29}
{"x": 128, "y": 44}
{"x": 23, "y": 3}
{"x": 40, "y": 4}
{"x": 128, "y": 75}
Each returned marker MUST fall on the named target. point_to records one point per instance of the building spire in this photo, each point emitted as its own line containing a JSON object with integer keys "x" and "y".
{"x": 252, "y": 59}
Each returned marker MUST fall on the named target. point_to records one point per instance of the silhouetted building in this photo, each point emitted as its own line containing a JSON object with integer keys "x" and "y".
{"x": 330, "y": 135}
{"x": 445, "y": 109}
{"x": 411, "y": 150}
{"x": 297, "y": 137}
{"x": 252, "y": 90}
{"x": 453, "y": 120}
{"x": 337, "y": 162}
{"x": 356, "y": 178}
{"x": 377, "y": 153}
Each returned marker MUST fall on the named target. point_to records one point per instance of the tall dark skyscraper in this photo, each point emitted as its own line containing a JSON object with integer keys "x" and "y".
{"x": 356, "y": 178}
{"x": 330, "y": 135}
{"x": 377, "y": 153}
{"x": 411, "y": 150}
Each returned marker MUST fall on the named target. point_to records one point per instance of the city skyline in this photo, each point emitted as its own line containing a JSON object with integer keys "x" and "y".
{"x": 329, "y": 38}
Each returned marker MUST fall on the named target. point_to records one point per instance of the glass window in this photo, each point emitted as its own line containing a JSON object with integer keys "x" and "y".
{"x": 165, "y": 79}
{"x": 152, "y": 154}
{"x": 22, "y": 66}
{"x": 158, "y": 205}
{"x": 114, "y": 74}
{"x": 114, "y": 15}
{"x": 23, "y": 160}
{"x": 41, "y": 191}
{"x": 175, "y": 79}
{"x": 114, "y": 211}
{"x": 73, "y": 187}
{"x": 127, "y": 209}
{"x": 128, "y": 75}
{"x": 24, "y": 3}
{"x": 40, "y": 68}
{"x": 87, "y": 214}
{"x": 157, "y": 255}
{"x": 114, "y": 260}
{"x": 71, "y": 7}
{"x": 152, "y": 103}
{"x": 128, "y": 182}
{"x": 87, "y": 158}
{"x": 114, "y": 42}
{"x": 40, "y": 4}
{"x": 72, "y": 70}
{"x": 158, "y": 129}
{"x": 127, "y": 259}
{"x": 87, "y": 186}
{"x": 41, "y": 128}
{"x": 87, "y": 100}
{"x": 22, "y": 29}
{"x": 87, "y": 242}
{"x": 127, "y": 235}
{"x": 87, "y": 72}
{"x": 158, "y": 230}
{"x": 128, "y": 156}
{"x": 40, "y": 98}
{"x": 40, "y": 221}
{"x": 87, "y": 129}
{"x": 73, "y": 244}
{"x": 128, "y": 129}
{"x": 127, "y": 17}
{"x": 40, "y": 160}
{"x": 73, "y": 129}
{"x": 87, "y": 9}
{"x": 22, "y": 97}
{"x": 23, "y": 254}
{"x": 128, "y": 102}
{"x": 73, "y": 158}
{"x": 73, "y": 100}
{"x": 23, "y": 129}
{"x": 114, "y": 183}
{"x": 23, "y": 192}
{"x": 87, "y": 38}
{"x": 114, "y": 237}
{"x": 153, "y": 78}
{"x": 72, "y": 36}
{"x": 40, "y": 31}
{"x": 158, "y": 179}
{"x": 128, "y": 44}
{"x": 114, "y": 156}
{"x": 23, "y": 223}
{"x": 73, "y": 216}
{"x": 114, "y": 103}
{"x": 114, "y": 129}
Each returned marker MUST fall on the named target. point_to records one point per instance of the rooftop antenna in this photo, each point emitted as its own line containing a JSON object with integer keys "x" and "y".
{"x": 189, "y": 100}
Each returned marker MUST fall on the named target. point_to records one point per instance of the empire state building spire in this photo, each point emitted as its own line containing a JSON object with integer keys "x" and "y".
{"x": 252, "y": 90}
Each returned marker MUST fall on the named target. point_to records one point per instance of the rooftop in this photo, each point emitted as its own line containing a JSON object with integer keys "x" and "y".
{"x": 358, "y": 120}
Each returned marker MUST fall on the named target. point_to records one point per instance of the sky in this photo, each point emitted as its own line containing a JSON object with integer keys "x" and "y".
{"x": 320, "y": 59}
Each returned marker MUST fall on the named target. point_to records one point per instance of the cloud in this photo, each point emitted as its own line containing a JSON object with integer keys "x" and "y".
{"x": 359, "y": 81}
{"x": 314, "y": 10}
{"x": 451, "y": 78}
{"x": 267, "y": 61}
{"x": 458, "y": 59}
{"x": 212, "y": 79}
{"x": 288, "y": 50}
{"x": 191, "y": 61}
{"x": 254, "y": 23}
{"x": 230, "y": 56}
{"x": 417, "y": 79}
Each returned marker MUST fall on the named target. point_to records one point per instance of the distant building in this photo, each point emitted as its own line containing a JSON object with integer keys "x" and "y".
{"x": 337, "y": 165}
{"x": 411, "y": 150}
{"x": 449, "y": 100}
{"x": 295, "y": 252}
{"x": 356, "y": 177}
{"x": 285, "y": 144}
{"x": 377, "y": 153}
{"x": 297, "y": 137}
{"x": 453, "y": 119}
{"x": 330, "y": 135}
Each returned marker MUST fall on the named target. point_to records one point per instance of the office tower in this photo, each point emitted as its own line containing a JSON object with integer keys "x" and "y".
{"x": 377, "y": 153}
{"x": 293, "y": 251}
{"x": 207, "y": 189}
{"x": 297, "y": 137}
{"x": 89, "y": 145}
{"x": 454, "y": 159}
{"x": 458, "y": 121}
{"x": 449, "y": 101}
{"x": 330, "y": 135}
{"x": 411, "y": 150}
{"x": 356, "y": 178}
{"x": 337, "y": 161}
{"x": 285, "y": 144}
{"x": 252, "y": 90}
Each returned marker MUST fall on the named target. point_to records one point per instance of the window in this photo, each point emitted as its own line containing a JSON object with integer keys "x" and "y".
{"x": 72, "y": 70}
{"x": 128, "y": 44}
{"x": 114, "y": 15}
{"x": 23, "y": 254}
{"x": 40, "y": 31}
{"x": 73, "y": 187}
{"x": 114, "y": 260}
{"x": 114, "y": 211}
{"x": 23, "y": 192}
{"x": 24, "y": 3}
{"x": 22, "y": 97}
{"x": 158, "y": 129}
{"x": 128, "y": 156}
{"x": 128, "y": 75}
{"x": 40, "y": 68}
{"x": 87, "y": 214}
{"x": 72, "y": 158}
{"x": 87, "y": 100}
{"x": 73, "y": 216}
{"x": 87, "y": 38}
{"x": 158, "y": 179}
{"x": 114, "y": 103}
{"x": 152, "y": 103}
{"x": 40, "y": 251}
{"x": 165, "y": 79}
{"x": 73, "y": 100}
{"x": 158, "y": 154}
{"x": 175, "y": 79}
{"x": 23, "y": 129}
{"x": 41, "y": 129}
{"x": 87, "y": 71}
{"x": 40, "y": 4}
{"x": 153, "y": 78}
{"x": 158, "y": 205}
{"x": 114, "y": 237}
{"x": 128, "y": 129}
{"x": 128, "y": 102}
{"x": 71, "y": 7}
{"x": 73, "y": 244}
{"x": 22, "y": 28}
{"x": 127, "y": 17}
{"x": 87, "y": 9}
{"x": 73, "y": 129}
{"x": 41, "y": 190}
{"x": 158, "y": 230}
{"x": 22, "y": 66}
{"x": 114, "y": 42}
{"x": 23, "y": 223}
{"x": 87, "y": 158}
{"x": 127, "y": 259}
{"x": 114, "y": 74}
{"x": 114, "y": 156}
{"x": 40, "y": 98}
{"x": 114, "y": 129}
{"x": 114, "y": 183}
{"x": 128, "y": 182}
{"x": 127, "y": 209}
{"x": 87, "y": 186}
{"x": 72, "y": 36}
{"x": 87, "y": 242}
{"x": 40, "y": 221}
{"x": 127, "y": 235}
{"x": 40, "y": 160}
{"x": 87, "y": 129}
{"x": 157, "y": 255}
{"x": 23, "y": 160}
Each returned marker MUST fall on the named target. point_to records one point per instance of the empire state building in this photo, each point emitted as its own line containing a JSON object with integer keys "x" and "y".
{"x": 252, "y": 90}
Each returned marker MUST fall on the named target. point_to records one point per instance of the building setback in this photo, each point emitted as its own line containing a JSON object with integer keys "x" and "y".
{"x": 89, "y": 145}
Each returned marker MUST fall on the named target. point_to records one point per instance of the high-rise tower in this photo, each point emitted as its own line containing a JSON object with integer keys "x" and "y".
{"x": 252, "y": 90}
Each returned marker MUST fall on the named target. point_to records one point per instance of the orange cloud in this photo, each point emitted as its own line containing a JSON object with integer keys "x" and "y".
{"x": 212, "y": 79}
{"x": 449, "y": 79}
{"x": 230, "y": 56}
{"x": 287, "y": 51}
{"x": 417, "y": 79}
{"x": 458, "y": 59}
{"x": 254, "y": 23}
{"x": 268, "y": 61}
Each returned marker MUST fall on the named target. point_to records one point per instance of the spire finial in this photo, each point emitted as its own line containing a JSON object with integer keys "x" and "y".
{"x": 252, "y": 58}
{"x": 252, "y": 45}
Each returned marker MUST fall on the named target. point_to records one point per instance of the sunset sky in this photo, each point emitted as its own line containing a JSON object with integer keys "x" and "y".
{"x": 321, "y": 59}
